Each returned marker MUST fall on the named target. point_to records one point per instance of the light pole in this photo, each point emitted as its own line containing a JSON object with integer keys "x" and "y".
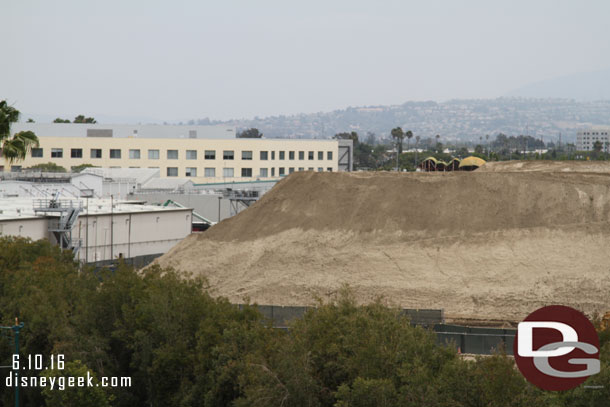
{"x": 15, "y": 328}
{"x": 86, "y": 193}
{"x": 219, "y": 199}
{"x": 111, "y": 227}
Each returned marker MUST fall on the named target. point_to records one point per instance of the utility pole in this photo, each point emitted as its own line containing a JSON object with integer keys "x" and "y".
{"x": 86, "y": 193}
{"x": 397, "y": 155}
{"x": 219, "y": 199}
{"x": 111, "y": 227}
{"x": 15, "y": 328}
{"x": 87, "y": 234}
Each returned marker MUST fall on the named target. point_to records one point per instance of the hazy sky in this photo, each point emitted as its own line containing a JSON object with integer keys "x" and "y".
{"x": 175, "y": 60}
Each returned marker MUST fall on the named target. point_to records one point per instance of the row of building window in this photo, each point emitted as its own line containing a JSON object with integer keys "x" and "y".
{"x": 245, "y": 172}
{"x": 134, "y": 154}
{"x": 226, "y": 172}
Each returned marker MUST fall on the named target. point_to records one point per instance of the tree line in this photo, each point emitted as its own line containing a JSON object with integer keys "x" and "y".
{"x": 78, "y": 119}
{"x": 183, "y": 347}
{"x": 377, "y": 153}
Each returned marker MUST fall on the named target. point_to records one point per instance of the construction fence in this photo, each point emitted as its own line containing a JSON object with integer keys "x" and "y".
{"x": 479, "y": 341}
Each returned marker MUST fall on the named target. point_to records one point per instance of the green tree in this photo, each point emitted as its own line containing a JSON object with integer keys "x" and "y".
{"x": 398, "y": 135}
{"x": 79, "y": 168}
{"x": 182, "y": 347}
{"x": 409, "y": 136}
{"x": 30, "y": 120}
{"x": 14, "y": 148}
{"x": 82, "y": 119}
{"x": 417, "y": 139}
{"x": 347, "y": 136}
{"x": 368, "y": 393}
{"x": 333, "y": 346}
{"x": 95, "y": 396}
{"x": 250, "y": 133}
{"x": 59, "y": 120}
{"x": 48, "y": 167}
{"x": 462, "y": 152}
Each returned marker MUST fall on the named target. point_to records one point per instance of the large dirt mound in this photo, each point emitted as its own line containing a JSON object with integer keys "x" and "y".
{"x": 481, "y": 245}
{"x": 547, "y": 166}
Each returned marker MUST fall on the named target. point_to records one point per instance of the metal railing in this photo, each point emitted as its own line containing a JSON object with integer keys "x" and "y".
{"x": 39, "y": 176}
{"x": 56, "y": 204}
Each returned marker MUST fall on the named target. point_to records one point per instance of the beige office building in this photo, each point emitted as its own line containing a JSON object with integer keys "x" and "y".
{"x": 207, "y": 154}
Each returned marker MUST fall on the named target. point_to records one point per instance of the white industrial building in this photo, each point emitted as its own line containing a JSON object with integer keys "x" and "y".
{"x": 210, "y": 202}
{"x": 103, "y": 182}
{"x": 97, "y": 230}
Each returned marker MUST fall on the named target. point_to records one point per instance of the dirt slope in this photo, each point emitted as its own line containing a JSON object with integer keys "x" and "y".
{"x": 547, "y": 166}
{"x": 481, "y": 245}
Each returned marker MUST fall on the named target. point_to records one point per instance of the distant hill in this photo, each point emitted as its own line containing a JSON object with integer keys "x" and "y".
{"x": 586, "y": 86}
{"x": 464, "y": 120}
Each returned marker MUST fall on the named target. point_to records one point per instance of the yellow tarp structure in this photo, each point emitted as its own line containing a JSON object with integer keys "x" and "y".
{"x": 434, "y": 160}
{"x": 472, "y": 162}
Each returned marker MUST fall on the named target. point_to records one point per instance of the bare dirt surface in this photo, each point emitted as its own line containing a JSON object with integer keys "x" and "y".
{"x": 484, "y": 246}
{"x": 547, "y": 166}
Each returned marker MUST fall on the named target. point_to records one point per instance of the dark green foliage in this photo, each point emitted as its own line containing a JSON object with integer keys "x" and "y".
{"x": 82, "y": 119}
{"x": 181, "y": 347}
{"x": 250, "y": 133}
{"x": 76, "y": 396}
{"x": 48, "y": 167}
{"x": 14, "y": 148}
{"x": 347, "y": 136}
{"x": 398, "y": 135}
{"x": 79, "y": 168}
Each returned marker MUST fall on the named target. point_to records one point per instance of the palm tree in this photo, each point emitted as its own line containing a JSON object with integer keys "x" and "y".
{"x": 14, "y": 148}
{"x": 409, "y": 136}
{"x": 398, "y": 135}
{"x": 417, "y": 138}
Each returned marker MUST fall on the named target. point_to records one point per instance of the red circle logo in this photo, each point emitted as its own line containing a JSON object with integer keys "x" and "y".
{"x": 556, "y": 348}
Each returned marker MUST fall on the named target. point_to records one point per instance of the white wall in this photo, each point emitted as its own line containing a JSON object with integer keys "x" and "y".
{"x": 150, "y": 233}
{"x": 88, "y": 181}
{"x": 34, "y": 228}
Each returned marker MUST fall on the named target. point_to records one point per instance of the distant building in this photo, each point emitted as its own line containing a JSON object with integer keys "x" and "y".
{"x": 204, "y": 154}
{"x": 585, "y": 139}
